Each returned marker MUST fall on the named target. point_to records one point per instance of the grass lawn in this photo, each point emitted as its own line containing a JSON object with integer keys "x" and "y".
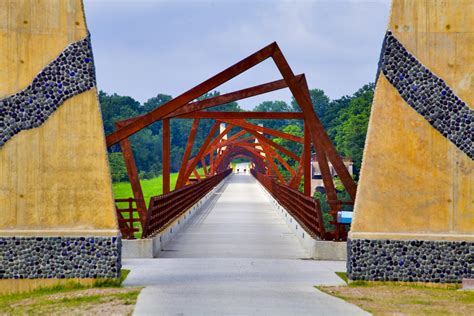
{"x": 105, "y": 297}
{"x": 150, "y": 187}
{"x": 398, "y": 298}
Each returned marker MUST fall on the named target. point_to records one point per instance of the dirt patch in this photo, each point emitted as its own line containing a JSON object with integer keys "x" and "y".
{"x": 100, "y": 301}
{"x": 405, "y": 299}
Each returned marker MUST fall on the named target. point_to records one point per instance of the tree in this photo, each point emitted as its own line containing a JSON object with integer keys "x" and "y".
{"x": 117, "y": 167}
{"x": 351, "y": 129}
{"x": 155, "y": 102}
{"x": 319, "y": 100}
{"x": 272, "y": 106}
{"x": 294, "y": 147}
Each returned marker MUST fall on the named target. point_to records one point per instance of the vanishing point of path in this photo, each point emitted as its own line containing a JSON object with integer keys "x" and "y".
{"x": 236, "y": 257}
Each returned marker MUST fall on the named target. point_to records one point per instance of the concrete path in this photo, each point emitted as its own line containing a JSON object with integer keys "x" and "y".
{"x": 236, "y": 257}
{"x": 240, "y": 222}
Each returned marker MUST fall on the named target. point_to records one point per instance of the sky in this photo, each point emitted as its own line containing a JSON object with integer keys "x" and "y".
{"x": 146, "y": 47}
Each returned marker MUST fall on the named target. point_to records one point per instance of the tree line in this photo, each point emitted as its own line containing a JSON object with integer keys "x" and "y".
{"x": 345, "y": 119}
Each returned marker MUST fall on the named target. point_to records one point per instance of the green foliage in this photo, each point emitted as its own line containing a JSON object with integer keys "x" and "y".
{"x": 343, "y": 276}
{"x": 273, "y": 106}
{"x": 294, "y": 147}
{"x": 147, "y": 143}
{"x": 319, "y": 99}
{"x": 345, "y": 120}
{"x": 117, "y": 282}
{"x": 117, "y": 167}
{"x": 351, "y": 129}
{"x": 71, "y": 297}
{"x": 327, "y": 218}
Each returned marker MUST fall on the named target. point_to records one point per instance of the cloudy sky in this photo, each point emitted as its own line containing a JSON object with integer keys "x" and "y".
{"x": 146, "y": 47}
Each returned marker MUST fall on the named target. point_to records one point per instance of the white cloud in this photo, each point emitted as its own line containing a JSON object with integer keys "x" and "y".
{"x": 147, "y": 47}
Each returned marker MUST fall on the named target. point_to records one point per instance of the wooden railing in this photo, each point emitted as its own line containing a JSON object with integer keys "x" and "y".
{"x": 164, "y": 209}
{"x": 305, "y": 209}
{"x": 126, "y": 218}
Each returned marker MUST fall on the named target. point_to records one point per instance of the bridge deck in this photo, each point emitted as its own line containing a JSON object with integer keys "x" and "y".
{"x": 236, "y": 257}
{"x": 239, "y": 222}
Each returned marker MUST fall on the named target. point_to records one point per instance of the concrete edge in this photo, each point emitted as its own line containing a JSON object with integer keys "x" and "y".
{"x": 316, "y": 249}
{"x": 152, "y": 247}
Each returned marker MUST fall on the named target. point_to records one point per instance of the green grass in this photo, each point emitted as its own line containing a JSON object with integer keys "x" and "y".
{"x": 150, "y": 188}
{"x": 343, "y": 276}
{"x": 73, "y": 298}
{"x": 404, "y": 298}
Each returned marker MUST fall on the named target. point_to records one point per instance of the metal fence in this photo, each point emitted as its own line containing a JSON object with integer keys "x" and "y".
{"x": 126, "y": 219}
{"x": 164, "y": 209}
{"x": 305, "y": 209}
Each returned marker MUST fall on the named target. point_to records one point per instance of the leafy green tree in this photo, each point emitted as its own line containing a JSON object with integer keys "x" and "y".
{"x": 117, "y": 167}
{"x": 294, "y": 147}
{"x": 319, "y": 99}
{"x": 272, "y": 106}
{"x": 155, "y": 102}
{"x": 350, "y": 133}
{"x": 116, "y": 108}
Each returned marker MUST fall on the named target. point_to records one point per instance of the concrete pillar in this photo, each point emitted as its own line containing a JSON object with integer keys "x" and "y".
{"x": 58, "y": 219}
{"x": 414, "y": 212}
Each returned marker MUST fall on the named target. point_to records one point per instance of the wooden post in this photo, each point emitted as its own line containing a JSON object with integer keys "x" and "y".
{"x": 187, "y": 152}
{"x": 134, "y": 179}
{"x": 307, "y": 161}
{"x": 166, "y": 156}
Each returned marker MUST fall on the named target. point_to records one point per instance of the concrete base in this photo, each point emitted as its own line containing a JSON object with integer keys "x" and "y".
{"x": 317, "y": 249}
{"x": 152, "y": 247}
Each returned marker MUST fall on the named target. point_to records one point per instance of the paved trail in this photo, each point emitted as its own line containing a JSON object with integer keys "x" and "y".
{"x": 236, "y": 257}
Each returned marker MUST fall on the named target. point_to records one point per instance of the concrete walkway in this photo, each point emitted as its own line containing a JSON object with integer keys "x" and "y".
{"x": 236, "y": 257}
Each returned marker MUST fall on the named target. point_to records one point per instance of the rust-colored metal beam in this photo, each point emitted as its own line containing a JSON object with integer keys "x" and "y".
{"x": 232, "y": 152}
{"x": 244, "y": 115}
{"x": 269, "y": 150}
{"x": 166, "y": 156}
{"x": 196, "y": 174}
{"x": 204, "y": 167}
{"x": 215, "y": 143}
{"x": 231, "y": 97}
{"x": 315, "y": 126}
{"x": 187, "y": 152}
{"x": 295, "y": 181}
{"x": 230, "y": 142}
{"x": 272, "y": 165}
{"x": 195, "y": 106}
{"x": 262, "y": 138}
{"x": 251, "y": 127}
{"x": 134, "y": 179}
{"x": 307, "y": 161}
{"x": 199, "y": 155}
{"x": 191, "y": 94}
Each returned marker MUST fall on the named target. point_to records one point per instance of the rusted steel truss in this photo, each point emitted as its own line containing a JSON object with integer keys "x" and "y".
{"x": 254, "y": 142}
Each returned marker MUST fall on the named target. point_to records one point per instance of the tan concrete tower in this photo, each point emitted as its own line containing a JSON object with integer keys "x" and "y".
{"x": 414, "y": 211}
{"x": 57, "y": 214}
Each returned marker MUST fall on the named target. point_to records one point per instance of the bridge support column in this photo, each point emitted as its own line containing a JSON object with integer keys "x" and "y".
{"x": 58, "y": 220}
{"x": 414, "y": 212}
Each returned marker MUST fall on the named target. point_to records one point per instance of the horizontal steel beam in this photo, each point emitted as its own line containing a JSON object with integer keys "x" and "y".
{"x": 192, "y": 94}
{"x": 244, "y": 115}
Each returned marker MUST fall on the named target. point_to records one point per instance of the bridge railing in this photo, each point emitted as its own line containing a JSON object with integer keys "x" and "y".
{"x": 305, "y": 209}
{"x": 126, "y": 218}
{"x": 164, "y": 209}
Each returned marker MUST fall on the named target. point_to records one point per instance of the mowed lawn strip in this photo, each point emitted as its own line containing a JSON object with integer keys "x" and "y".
{"x": 398, "y": 298}
{"x": 150, "y": 187}
{"x": 105, "y": 297}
